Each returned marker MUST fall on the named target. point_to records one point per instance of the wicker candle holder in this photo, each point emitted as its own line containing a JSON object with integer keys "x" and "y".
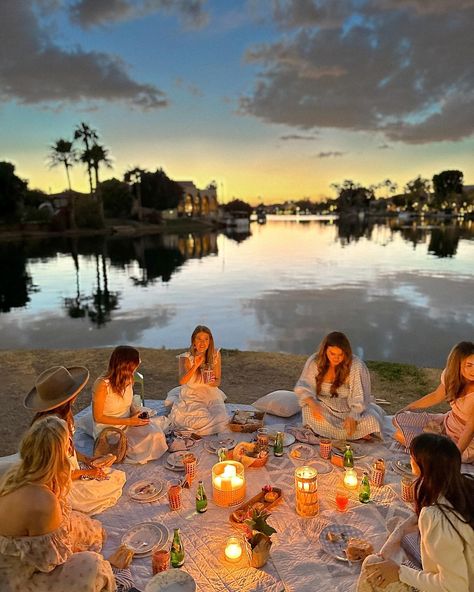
{"x": 228, "y": 483}
{"x": 306, "y": 489}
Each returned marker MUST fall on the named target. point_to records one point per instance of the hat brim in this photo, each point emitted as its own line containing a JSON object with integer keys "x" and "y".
{"x": 33, "y": 401}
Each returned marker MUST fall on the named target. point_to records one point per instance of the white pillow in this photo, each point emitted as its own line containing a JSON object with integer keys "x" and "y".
{"x": 172, "y": 396}
{"x": 281, "y": 403}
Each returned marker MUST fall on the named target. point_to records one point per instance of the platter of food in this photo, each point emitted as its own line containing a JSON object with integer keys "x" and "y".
{"x": 246, "y": 421}
{"x": 265, "y": 500}
{"x": 345, "y": 542}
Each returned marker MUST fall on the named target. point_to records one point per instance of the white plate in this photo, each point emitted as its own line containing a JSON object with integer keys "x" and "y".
{"x": 321, "y": 466}
{"x": 146, "y": 490}
{"x": 339, "y": 447}
{"x": 402, "y": 467}
{"x": 217, "y": 443}
{"x": 145, "y": 537}
{"x": 175, "y": 459}
{"x": 301, "y": 452}
{"x": 288, "y": 439}
{"x": 171, "y": 580}
{"x": 338, "y": 548}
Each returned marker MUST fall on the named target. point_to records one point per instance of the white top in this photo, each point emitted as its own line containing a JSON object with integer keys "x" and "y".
{"x": 447, "y": 557}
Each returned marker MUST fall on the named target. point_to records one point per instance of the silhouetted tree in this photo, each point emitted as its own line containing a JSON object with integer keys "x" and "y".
{"x": 134, "y": 178}
{"x": 353, "y": 196}
{"x": 447, "y": 184}
{"x": 238, "y": 205}
{"x": 117, "y": 198}
{"x": 417, "y": 192}
{"x": 159, "y": 191}
{"x": 89, "y": 137}
{"x": 63, "y": 153}
{"x": 12, "y": 192}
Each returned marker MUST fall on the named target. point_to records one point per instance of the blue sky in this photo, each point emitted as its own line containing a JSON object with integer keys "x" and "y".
{"x": 271, "y": 98}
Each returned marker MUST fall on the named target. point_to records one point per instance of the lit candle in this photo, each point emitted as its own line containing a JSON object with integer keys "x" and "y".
{"x": 228, "y": 483}
{"x": 350, "y": 479}
{"x": 233, "y": 549}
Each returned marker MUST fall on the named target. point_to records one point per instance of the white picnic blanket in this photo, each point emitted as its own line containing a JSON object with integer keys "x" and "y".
{"x": 297, "y": 562}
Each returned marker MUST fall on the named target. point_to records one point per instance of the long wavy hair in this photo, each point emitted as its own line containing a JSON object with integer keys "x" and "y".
{"x": 43, "y": 458}
{"x": 122, "y": 364}
{"x": 64, "y": 412}
{"x": 439, "y": 460}
{"x": 334, "y": 339}
{"x": 454, "y": 381}
{"x": 209, "y": 359}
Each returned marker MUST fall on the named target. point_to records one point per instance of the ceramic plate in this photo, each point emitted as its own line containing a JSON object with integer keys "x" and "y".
{"x": 144, "y": 491}
{"x": 145, "y": 537}
{"x": 301, "y": 452}
{"x": 175, "y": 459}
{"x": 343, "y": 532}
{"x": 217, "y": 443}
{"x": 171, "y": 580}
{"x": 322, "y": 466}
{"x": 339, "y": 447}
{"x": 402, "y": 467}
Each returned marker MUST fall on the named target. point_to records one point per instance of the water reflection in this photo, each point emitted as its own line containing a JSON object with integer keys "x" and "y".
{"x": 16, "y": 284}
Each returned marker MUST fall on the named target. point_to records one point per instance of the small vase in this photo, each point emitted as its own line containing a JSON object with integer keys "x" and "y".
{"x": 261, "y": 552}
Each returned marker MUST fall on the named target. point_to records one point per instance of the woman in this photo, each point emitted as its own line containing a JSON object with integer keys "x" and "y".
{"x": 39, "y": 536}
{"x": 200, "y": 406}
{"x": 334, "y": 392}
{"x": 112, "y": 405}
{"x": 54, "y": 393}
{"x": 445, "y": 509}
{"x": 456, "y": 388}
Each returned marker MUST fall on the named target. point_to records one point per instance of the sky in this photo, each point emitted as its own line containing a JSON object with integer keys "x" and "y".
{"x": 272, "y": 99}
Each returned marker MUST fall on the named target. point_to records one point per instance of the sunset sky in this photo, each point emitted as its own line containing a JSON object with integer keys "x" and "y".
{"x": 274, "y": 99}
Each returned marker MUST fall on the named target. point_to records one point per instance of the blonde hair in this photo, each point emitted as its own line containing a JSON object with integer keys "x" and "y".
{"x": 454, "y": 381}
{"x": 210, "y": 349}
{"x": 44, "y": 458}
{"x": 334, "y": 339}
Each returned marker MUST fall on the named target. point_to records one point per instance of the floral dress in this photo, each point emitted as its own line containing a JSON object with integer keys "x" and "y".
{"x": 65, "y": 560}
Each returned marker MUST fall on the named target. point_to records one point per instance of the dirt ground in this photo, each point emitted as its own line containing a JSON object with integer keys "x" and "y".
{"x": 246, "y": 376}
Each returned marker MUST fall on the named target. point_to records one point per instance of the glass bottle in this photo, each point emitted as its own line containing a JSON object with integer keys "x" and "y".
{"x": 177, "y": 550}
{"x": 201, "y": 499}
{"x": 278, "y": 446}
{"x": 138, "y": 379}
{"x": 348, "y": 461}
{"x": 222, "y": 453}
{"x": 364, "y": 491}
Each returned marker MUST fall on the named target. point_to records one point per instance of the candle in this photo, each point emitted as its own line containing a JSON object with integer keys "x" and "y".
{"x": 306, "y": 485}
{"x": 228, "y": 483}
{"x": 233, "y": 549}
{"x": 350, "y": 479}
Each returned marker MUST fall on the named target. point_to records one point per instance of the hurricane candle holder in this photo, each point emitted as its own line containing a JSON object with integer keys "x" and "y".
{"x": 351, "y": 480}
{"x": 233, "y": 549}
{"x": 306, "y": 488}
{"x": 228, "y": 483}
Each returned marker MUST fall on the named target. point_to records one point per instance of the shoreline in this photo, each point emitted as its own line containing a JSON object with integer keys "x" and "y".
{"x": 246, "y": 376}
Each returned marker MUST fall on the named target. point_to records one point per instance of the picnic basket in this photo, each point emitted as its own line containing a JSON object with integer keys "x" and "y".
{"x": 246, "y": 421}
{"x": 111, "y": 440}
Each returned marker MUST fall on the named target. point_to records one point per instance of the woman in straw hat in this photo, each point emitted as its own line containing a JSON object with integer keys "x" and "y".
{"x": 54, "y": 393}
{"x": 37, "y": 530}
{"x": 112, "y": 405}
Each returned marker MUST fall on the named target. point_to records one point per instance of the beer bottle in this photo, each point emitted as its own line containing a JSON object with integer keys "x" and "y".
{"x": 278, "y": 446}
{"x": 177, "y": 550}
{"x": 364, "y": 491}
{"x": 201, "y": 499}
{"x": 348, "y": 457}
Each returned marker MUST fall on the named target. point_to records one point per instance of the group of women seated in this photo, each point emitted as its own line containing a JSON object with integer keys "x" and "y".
{"x": 36, "y": 495}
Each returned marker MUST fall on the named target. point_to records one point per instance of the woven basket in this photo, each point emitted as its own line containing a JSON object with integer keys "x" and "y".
{"x": 248, "y": 461}
{"x": 111, "y": 440}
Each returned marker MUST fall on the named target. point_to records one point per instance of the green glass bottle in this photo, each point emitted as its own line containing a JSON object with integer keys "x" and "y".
{"x": 177, "y": 550}
{"x": 364, "y": 491}
{"x": 138, "y": 379}
{"x": 348, "y": 457}
{"x": 278, "y": 446}
{"x": 201, "y": 499}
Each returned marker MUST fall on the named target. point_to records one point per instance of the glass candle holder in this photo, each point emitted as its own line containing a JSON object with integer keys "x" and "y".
{"x": 351, "y": 480}
{"x": 233, "y": 549}
{"x": 228, "y": 483}
{"x": 306, "y": 491}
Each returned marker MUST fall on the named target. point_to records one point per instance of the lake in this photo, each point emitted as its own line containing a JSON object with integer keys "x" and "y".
{"x": 401, "y": 293}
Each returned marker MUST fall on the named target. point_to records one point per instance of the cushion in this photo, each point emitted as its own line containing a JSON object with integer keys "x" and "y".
{"x": 172, "y": 396}
{"x": 281, "y": 403}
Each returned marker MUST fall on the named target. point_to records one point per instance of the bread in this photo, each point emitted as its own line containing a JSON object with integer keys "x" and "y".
{"x": 358, "y": 549}
{"x": 271, "y": 496}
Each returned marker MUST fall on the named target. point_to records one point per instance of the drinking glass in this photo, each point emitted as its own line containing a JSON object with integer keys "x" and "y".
{"x": 342, "y": 499}
{"x": 174, "y": 494}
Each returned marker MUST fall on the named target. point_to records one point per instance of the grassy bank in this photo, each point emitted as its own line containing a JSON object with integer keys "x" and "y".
{"x": 246, "y": 376}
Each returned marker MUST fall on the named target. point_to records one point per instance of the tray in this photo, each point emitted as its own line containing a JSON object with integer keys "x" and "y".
{"x": 253, "y": 421}
{"x": 259, "y": 498}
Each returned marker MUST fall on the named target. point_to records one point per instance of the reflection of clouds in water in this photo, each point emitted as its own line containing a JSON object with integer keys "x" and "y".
{"x": 381, "y": 324}
{"x": 56, "y": 331}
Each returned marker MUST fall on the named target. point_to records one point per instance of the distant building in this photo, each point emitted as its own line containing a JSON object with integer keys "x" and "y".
{"x": 198, "y": 202}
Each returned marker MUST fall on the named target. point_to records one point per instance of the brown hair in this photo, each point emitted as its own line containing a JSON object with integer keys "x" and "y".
{"x": 210, "y": 349}
{"x": 334, "y": 339}
{"x": 64, "y": 412}
{"x": 122, "y": 364}
{"x": 454, "y": 381}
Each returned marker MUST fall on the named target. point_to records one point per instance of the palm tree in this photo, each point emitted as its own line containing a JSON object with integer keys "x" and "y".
{"x": 89, "y": 136}
{"x": 63, "y": 153}
{"x": 94, "y": 157}
{"x": 134, "y": 176}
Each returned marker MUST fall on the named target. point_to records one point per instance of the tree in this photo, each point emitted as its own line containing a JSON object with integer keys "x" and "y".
{"x": 62, "y": 152}
{"x": 447, "y": 184}
{"x": 89, "y": 137}
{"x": 117, "y": 198}
{"x": 96, "y": 155}
{"x": 12, "y": 192}
{"x": 158, "y": 191}
{"x": 134, "y": 177}
{"x": 238, "y": 205}
{"x": 417, "y": 191}
{"x": 352, "y": 195}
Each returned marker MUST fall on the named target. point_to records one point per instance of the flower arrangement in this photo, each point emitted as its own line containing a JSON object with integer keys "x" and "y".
{"x": 258, "y": 535}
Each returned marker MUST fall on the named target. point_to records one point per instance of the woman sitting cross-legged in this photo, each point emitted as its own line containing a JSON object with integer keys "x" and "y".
{"x": 457, "y": 388}
{"x": 54, "y": 393}
{"x": 112, "y": 405}
{"x": 444, "y": 504}
{"x": 334, "y": 392}
{"x": 44, "y": 547}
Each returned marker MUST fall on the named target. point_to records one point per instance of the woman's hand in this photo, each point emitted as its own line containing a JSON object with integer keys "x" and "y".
{"x": 315, "y": 408}
{"x": 198, "y": 361}
{"x": 384, "y": 573}
{"x": 350, "y": 425}
{"x": 138, "y": 421}
{"x": 94, "y": 472}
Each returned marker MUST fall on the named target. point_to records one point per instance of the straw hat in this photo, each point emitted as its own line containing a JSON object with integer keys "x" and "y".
{"x": 55, "y": 386}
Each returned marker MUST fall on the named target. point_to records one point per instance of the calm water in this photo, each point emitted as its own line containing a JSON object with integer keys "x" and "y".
{"x": 400, "y": 293}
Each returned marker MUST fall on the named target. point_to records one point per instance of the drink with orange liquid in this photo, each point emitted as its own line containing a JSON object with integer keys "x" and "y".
{"x": 342, "y": 500}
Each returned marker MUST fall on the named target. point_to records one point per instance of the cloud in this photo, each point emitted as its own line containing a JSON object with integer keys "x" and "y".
{"x": 34, "y": 69}
{"x": 331, "y": 154}
{"x": 191, "y": 88}
{"x": 299, "y": 137}
{"x": 403, "y": 68}
{"x": 91, "y": 13}
{"x": 384, "y": 147}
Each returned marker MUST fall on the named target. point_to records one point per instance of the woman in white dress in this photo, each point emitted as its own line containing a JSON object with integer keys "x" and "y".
{"x": 54, "y": 393}
{"x": 334, "y": 392}
{"x": 200, "y": 406}
{"x": 445, "y": 511}
{"x": 112, "y": 405}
